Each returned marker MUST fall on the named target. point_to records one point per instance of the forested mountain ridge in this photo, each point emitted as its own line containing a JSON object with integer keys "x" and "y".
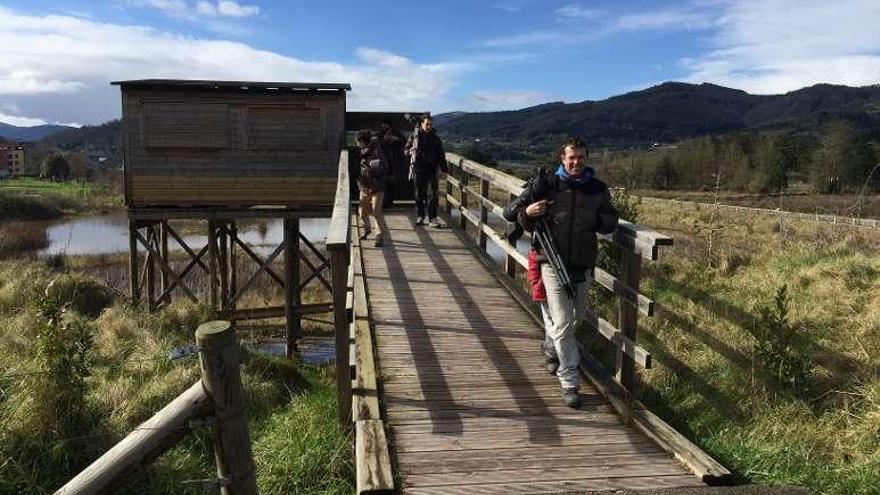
{"x": 673, "y": 111}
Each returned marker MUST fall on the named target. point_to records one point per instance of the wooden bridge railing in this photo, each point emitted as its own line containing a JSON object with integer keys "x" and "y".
{"x": 474, "y": 205}
{"x": 339, "y": 245}
{"x": 637, "y": 243}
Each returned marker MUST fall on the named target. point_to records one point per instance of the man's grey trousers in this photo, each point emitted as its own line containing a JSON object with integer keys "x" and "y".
{"x": 561, "y": 315}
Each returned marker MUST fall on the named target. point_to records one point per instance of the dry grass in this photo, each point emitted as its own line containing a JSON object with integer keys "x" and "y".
{"x": 711, "y": 285}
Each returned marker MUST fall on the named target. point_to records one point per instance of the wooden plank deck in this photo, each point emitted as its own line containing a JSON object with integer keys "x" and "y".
{"x": 470, "y": 408}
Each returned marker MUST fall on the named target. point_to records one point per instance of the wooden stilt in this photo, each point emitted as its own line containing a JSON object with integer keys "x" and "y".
{"x": 134, "y": 286}
{"x": 212, "y": 266}
{"x": 164, "y": 262}
{"x": 291, "y": 277}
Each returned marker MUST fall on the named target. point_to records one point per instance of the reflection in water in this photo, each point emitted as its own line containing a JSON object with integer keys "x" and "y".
{"x": 109, "y": 234}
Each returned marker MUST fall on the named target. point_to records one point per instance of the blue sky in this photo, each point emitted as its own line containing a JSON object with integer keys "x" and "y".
{"x": 59, "y": 55}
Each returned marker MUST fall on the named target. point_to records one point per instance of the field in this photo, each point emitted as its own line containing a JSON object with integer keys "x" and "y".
{"x": 82, "y": 369}
{"x": 846, "y": 205}
{"x": 36, "y": 199}
{"x": 767, "y": 345}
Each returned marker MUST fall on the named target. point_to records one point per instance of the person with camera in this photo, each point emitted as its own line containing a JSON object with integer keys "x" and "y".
{"x": 570, "y": 206}
{"x": 374, "y": 169}
{"x": 427, "y": 162}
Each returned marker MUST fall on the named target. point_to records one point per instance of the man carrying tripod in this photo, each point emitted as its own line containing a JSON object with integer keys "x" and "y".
{"x": 564, "y": 211}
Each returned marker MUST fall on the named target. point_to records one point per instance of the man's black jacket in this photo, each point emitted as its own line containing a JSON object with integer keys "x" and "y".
{"x": 429, "y": 153}
{"x": 576, "y": 211}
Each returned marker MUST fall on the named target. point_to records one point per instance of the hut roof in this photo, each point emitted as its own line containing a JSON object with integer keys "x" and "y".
{"x": 236, "y": 86}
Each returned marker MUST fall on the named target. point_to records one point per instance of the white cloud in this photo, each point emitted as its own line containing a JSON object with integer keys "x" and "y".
{"x": 775, "y": 46}
{"x": 504, "y": 99}
{"x": 690, "y": 18}
{"x": 227, "y": 8}
{"x": 20, "y": 121}
{"x": 58, "y": 68}
{"x": 577, "y": 12}
{"x": 171, "y": 7}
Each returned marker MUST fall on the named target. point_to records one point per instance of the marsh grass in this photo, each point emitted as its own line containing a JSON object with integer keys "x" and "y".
{"x": 79, "y": 376}
{"x": 35, "y": 199}
{"x": 780, "y": 385}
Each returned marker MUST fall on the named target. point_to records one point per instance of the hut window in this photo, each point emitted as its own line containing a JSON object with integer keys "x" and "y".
{"x": 186, "y": 125}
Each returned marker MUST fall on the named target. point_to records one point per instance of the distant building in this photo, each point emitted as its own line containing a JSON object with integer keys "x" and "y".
{"x": 11, "y": 159}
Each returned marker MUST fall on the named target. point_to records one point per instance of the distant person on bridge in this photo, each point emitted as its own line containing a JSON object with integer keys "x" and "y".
{"x": 393, "y": 142}
{"x": 374, "y": 170}
{"x": 427, "y": 162}
{"x": 576, "y": 205}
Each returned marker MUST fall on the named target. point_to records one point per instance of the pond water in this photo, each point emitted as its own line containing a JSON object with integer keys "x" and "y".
{"x": 108, "y": 234}
{"x": 314, "y": 350}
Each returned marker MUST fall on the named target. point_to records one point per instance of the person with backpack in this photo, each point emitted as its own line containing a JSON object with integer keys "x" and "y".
{"x": 570, "y": 207}
{"x": 427, "y": 162}
{"x": 374, "y": 170}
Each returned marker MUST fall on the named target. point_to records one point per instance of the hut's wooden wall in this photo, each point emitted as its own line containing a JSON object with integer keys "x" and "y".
{"x": 197, "y": 148}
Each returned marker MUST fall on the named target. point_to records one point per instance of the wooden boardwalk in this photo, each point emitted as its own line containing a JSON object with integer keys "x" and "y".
{"x": 469, "y": 406}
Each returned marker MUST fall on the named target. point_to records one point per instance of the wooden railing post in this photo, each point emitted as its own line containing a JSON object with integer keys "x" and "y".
{"x": 339, "y": 244}
{"x": 448, "y": 205}
{"x": 510, "y": 263}
{"x": 484, "y": 214}
{"x": 462, "y": 198}
{"x": 219, "y": 360}
{"x": 627, "y": 320}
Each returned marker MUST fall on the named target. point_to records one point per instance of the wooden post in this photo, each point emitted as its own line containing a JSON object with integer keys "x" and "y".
{"x": 339, "y": 244}
{"x": 145, "y": 443}
{"x": 510, "y": 263}
{"x": 462, "y": 198}
{"x": 219, "y": 361}
{"x": 291, "y": 282}
{"x": 484, "y": 214}
{"x": 627, "y": 320}
{"x": 448, "y": 205}
{"x": 223, "y": 264}
{"x": 134, "y": 284}
{"x": 339, "y": 275}
{"x": 151, "y": 268}
{"x": 164, "y": 262}
{"x": 212, "y": 266}
{"x": 233, "y": 266}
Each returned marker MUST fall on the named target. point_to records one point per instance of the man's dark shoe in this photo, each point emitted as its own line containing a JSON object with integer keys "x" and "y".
{"x": 571, "y": 397}
{"x": 379, "y": 240}
{"x": 551, "y": 364}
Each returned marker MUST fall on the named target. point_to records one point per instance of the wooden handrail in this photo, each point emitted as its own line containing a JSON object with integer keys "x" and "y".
{"x": 338, "y": 234}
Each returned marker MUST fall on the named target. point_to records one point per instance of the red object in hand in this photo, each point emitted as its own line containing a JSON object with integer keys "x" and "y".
{"x": 534, "y": 277}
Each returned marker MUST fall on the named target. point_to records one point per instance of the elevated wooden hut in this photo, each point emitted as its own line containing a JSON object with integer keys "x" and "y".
{"x": 231, "y": 143}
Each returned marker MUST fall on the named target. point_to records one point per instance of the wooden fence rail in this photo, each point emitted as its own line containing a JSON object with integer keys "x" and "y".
{"x": 216, "y": 399}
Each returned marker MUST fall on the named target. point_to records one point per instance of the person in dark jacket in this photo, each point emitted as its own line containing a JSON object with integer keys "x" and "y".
{"x": 374, "y": 170}
{"x": 428, "y": 161}
{"x": 393, "y": 142}
{"x": 577, "y": 206}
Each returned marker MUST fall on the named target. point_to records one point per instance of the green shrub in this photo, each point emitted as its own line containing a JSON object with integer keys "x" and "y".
{"x": 779, "y": 348}
{"x": 81, "y": 293}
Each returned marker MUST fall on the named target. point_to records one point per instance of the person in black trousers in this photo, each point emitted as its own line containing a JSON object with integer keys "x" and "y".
{"x": 427, "y": 162}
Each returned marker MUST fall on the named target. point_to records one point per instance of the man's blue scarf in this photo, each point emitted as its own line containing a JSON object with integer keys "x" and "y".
{"x": 585, "y": 177}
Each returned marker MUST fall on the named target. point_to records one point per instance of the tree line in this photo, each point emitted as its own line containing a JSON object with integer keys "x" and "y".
{"x": 838, "y": 159}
